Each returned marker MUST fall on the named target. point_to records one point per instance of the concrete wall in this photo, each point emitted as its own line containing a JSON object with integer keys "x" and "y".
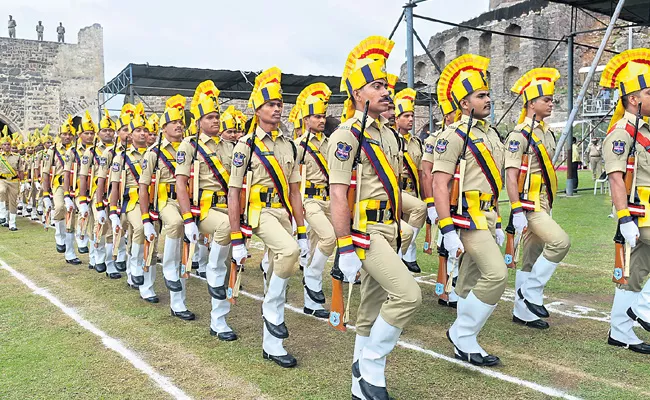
{"x": 43, "y": 82}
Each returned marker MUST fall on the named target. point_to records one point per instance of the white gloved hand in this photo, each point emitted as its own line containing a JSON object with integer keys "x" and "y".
{"x": 452, "y": 244}
{"x": 349, "y": 264}
{"x": 192, "y": 232}
{"x": 303, "y": 244}
{"x": 101, "y": 216}
{"x": 432, "y": 214}
{"x": 47, "y": 203}
{"x": 501, "y": 237}
{"x": 519, "y": 221}
{"x": 38, "y": 185}
{"x": 115, "y": 222}
{"x": 83, "y": 209}
{"x": 149, "y": 231}
{"x": 69, "y": 204}
{"x": 239, "y": 253}
{"x": 630, "y": 232}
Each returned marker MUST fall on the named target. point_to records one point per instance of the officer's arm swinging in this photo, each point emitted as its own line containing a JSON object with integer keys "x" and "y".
{"x": 296, "y": 204}
{"x": 426, "y": 180}
{"x": 339, "y": 209}
{"x": 512, "y": 184}
{"x": 183, "y": 197}
{"x": 441, "y": 193}
{"x": 619, "y": 193}
{"x": 234, "y": 212}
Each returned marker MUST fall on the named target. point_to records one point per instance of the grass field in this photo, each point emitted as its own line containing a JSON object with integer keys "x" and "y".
{"x": 45, "y": 354}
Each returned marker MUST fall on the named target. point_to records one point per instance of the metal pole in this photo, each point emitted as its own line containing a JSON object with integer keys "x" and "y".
{"x": 587, "y": 82}
{"x": 131, "y": 99}
{"x": 570, "y": 182}
{"x": 630, "y": 38}
{"x": 410, "y": 67}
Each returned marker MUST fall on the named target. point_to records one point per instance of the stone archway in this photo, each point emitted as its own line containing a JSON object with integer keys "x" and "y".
{"x": 12, "y": 127}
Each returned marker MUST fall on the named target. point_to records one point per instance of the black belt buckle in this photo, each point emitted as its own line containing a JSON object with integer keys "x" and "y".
{"x": 379, "y": 216}
{"x": 218, "y": 199}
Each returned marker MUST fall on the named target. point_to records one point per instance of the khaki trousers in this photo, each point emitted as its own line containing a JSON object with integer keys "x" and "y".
{"x": 171, "y": 218}
{"x": 482, "y": 269}
{"x": 414, "y": 211}
{"x": 387, "y": 287}
{"x": 595, "y": 166}
{"x": 107, "y": 231}
{"x": 543, "y": 237}
{"x": 276, "y": 232}
{"x": 217, "y": 224}
{"x": 134, "y": 218}
{"x": 9, "y": 193}
{"x": 317, "y": 214}
{"x": 58, "y": 214}
{"x": 639, "y": 262}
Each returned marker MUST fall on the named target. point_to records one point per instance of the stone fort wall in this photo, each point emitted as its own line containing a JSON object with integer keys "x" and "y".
{"x": 43, "y": 82}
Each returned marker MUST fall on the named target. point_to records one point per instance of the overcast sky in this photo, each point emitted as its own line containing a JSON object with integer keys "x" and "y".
{"x": 299, "y": 36}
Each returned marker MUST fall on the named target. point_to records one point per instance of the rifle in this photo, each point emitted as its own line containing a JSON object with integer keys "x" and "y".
{"x": 84, "y": 218}
{"x": 303, "y": 172}
{"x": 441, "y": 280}
{"x": 523, "y": 179}
{"x": 427, "y": 238}
{"x": 622, "y": 249}
{"x": 234, "y": 279}
{"x": 456, "y": 200}
{"x": 188, "y": 247}
{"x": 512, "y": 244}
{"x": 153, "y": 205}
{"x": 354, "y": 193}
{"x": 73, "y": 181}
{"x": 117, "y": 237}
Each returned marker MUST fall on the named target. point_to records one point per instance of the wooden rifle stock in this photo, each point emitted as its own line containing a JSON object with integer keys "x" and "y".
{"x": 337, "y": 309}
{"x": 427, "y": 238}
{"x": 629, "y": 173}
{"x": 441, "y": 280}
{"x": 523, "y": 171}
{"x": 511, "y": 246}
{"x": 620, "y": 266}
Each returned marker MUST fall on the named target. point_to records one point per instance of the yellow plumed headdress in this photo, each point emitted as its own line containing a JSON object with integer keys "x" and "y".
{"x": 87, "y": 123}
{"x": 535, "y": 83}
{"x": 628, "y": 72}
{"x": 174, "y": 110}
{"x": 464, "y": 75}
{"x": 267, "y": 87}
{"x": 67, "y": 126}
{"x": 139, "y": 120}
{"x": 127, "y": 112}
{"x": 313, "y": 99}
{"x": 205, "y": 99}
{"x": 106, "y": 122}
{"x": 404, "y": 101}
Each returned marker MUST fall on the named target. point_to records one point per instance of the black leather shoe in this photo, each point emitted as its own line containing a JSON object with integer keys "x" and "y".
{"x": 412, "y": 266}
{"x": 317, "y": 297}
{"x": 132, "y": 286}
{"x": 39, "y": 212}
{"x": 114, "y": 275}
{"x": 373, "y": 392}
{"x": 224, "y": 336}
{"x": 74, "y": 261}
{"x": 286, "y": 361}
{"x": 201, "y": 274}
{"x": 3, "y": 221}
{"x": 83, "y": 250}
{"x": 218, "y": 293}
{"x": 174, "y": 286}
{"x": 120, "y": 266}
{"x": 195, "y": 265}
{"x": 5, "y": 225}
{"x": 60, "y": 248}
{"x": 137, "y": 280}
{"x": 451, "y": 304}
{"x": 323, "y": 314}
{"x": 645, "y": 325}
{"x": 642, "y": 348}
{"x": 474, "y": 358}
{"x": 537, "y": 324}
{"x": 186, "y": 315}
{"x": 279, "y": 331}
{"x": 540, "y": 311}
{"x": 13, "y": 229}
{"x": 100, "y": 267}
{"x": 90, "y": 266}
{"x": 152, "y": 299}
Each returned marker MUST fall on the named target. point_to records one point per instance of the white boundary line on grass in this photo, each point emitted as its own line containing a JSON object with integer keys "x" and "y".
{"x": 407, "y": 345}
{"x": 111, "y": 343}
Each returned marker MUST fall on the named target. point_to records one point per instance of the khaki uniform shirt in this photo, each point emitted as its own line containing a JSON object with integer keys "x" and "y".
{"x": 344, "y": 149}
{"x": 449, "y": 146}
{"x": 616, "y": 148}
{"x": 15, "y": 161}
{"x": 312, "y": 171}
{"x": 283, "y": 150}
{"x": 595, "y": 150}
{"x": 517, "y": 143}
{"x": 149, "y": 162}
{"x": 221, "y": 149}
{"x": 135, "y": 156}
{"x": 95, "y": 164}
{"x": 106, "y": 160}
{"x": 54, "y": 158}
